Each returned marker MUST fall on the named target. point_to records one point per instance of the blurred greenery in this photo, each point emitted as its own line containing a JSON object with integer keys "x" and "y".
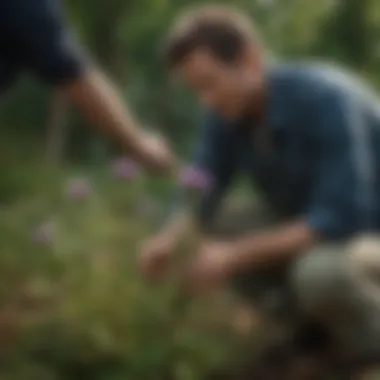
{"x": 73, "y": 304}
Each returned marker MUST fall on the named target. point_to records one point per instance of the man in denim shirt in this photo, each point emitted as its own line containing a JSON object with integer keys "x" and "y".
{"x": 309, "y": 138}
{"x": 34, "y": 37}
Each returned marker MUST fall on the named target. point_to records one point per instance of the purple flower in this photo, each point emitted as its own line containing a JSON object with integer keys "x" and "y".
{"x": 193, "y": 178}
{"x": 78, "y": 188}
{"x": 125, "y": 169}
{"x": 45, "y": 233}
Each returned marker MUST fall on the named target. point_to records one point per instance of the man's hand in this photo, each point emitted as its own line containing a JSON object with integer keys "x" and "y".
{"x": 212, "y": 266}
{"x": 153, "y": 152}
{"x": 218, "y": 261}
{"x": 155, "y": 257}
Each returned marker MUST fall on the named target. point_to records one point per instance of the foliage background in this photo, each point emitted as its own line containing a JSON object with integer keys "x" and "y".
{"x": 73, "y": 305}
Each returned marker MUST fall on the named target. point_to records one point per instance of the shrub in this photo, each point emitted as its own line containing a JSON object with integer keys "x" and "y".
{"x": 77, "y": 305}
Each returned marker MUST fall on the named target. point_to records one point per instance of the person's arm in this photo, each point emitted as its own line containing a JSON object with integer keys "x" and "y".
{"x": 341, "y": 201}
{"x": 44, "y": 44}
{"x": 98, "y": 101}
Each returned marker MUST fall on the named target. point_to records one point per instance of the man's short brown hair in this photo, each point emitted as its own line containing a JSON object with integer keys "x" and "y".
{"x": 222, "y": 30}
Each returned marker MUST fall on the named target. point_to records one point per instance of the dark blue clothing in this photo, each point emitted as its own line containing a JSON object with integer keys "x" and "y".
{"x": 33, "y": 36}
{"x": 316, "y": 155}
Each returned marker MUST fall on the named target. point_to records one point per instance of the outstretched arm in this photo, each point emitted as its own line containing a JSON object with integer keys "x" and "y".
{"x": 44, "y": 44}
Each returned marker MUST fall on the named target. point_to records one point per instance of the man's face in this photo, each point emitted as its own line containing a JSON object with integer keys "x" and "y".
{"x": 225, "y": 88}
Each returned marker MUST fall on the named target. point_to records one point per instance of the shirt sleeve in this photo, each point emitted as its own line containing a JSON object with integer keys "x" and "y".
{"x": 216, "y": 156}
{"x": 342, "y": 195}
{"x": 39, "y": 34}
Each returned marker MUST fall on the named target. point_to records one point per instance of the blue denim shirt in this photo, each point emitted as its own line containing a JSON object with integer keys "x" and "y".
{"x": 320, "y": 156}
{"x": 33, "y": 36}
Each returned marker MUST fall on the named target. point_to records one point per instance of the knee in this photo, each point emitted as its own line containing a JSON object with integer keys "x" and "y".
{"x": 320, "y": 279}
{"x": 364, "y": 265}
{"x": 364, "y": 256}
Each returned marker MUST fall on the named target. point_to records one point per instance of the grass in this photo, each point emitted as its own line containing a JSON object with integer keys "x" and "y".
{"x": 73, "y": 303}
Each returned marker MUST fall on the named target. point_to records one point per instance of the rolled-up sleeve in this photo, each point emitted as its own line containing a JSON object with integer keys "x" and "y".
{"x": 214, "y": 155}
{"x": 342, "y": 196}
{"x": 43, "y": 43}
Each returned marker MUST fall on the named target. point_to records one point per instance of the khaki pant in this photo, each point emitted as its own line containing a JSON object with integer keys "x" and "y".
{"x": 336, "y": 283}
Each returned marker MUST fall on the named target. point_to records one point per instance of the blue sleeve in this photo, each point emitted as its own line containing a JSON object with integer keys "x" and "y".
{"x": 214, "y": 154}
{"x": 42, "y": 43}
{"x": 342, "y": 194}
